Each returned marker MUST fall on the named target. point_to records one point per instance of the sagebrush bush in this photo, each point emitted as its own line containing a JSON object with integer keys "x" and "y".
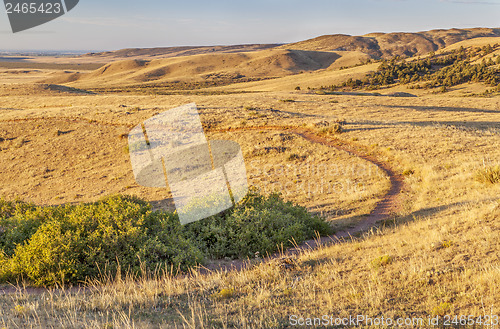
{"x": 332, "y": 129}
{"x": 121, "y": 234}
{"x": 74, "y": 243}
{"x": 257, "y": 224}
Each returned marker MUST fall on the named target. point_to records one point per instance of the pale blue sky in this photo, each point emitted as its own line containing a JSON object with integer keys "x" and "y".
{"x": 116, "y": 24}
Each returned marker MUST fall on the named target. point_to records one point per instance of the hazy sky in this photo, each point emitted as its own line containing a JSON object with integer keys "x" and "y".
{"x": 115, "y": 24}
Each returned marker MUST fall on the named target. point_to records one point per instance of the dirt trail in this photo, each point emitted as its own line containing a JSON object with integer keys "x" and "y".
{"x": 381, "y": 212}
{"x": 388, "y": 205}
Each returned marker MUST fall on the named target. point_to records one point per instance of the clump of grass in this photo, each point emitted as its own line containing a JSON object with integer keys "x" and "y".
{"x": 381, "y": 261}
{"x": 447, "y": 244}
{"x": 268, "y": 150}
{"x": 442, "y": 244}
{"x": 332, "y": 129}
{"x": 442, "y": 309}
{"x": 225, "y": 293}
{"x": 19, "y": 310}
{"x": 408, "y": 172}
{"x": 295, "y": 156}
{"x": 337, "y": 128}
{"x": 488, "y": 175}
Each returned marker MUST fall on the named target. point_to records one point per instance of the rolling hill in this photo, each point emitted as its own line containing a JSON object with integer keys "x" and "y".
{"x": 236, "y": 67}
{"x": 386, "y": 45}
{"x": 313, "y": 62}
{"x": 377, "y": 45}
{"x": 167, "y": 52}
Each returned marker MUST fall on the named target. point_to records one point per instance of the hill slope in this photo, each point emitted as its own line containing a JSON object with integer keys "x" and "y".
{"x": 209, "y": 67}
{"x": 448, "y": 67}
{"x": 385, "y": 45}
{"x": 167, "y": 52}
{"x": 192, "y": 67}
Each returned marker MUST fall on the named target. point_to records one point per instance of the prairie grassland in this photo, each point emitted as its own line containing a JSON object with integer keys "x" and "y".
{"x": 430, "y": 266}
{"x": 438, "y": 254}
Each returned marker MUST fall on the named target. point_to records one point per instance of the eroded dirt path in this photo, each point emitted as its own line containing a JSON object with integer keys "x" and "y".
{"x": 383, "y": 210}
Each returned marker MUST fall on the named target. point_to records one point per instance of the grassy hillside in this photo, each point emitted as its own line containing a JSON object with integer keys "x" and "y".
{"x": 469, "y": 62}
{"x": 421, "y": 131}
{"x": 166, "y": 52}
{"x": 379, "y": 45}
{"x": 289, "y": 70}
{"x": 387, "y": 45}
{"x": 448, "y": 69}
{"x": 250, "y": 66}
{"x": 436, "y": 255}
{"x": 208, "y": 68}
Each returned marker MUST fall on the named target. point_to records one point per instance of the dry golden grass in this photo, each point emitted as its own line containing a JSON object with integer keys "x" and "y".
{"x": 392, "y": 44}
{"x": 448, "y": 270}
{"x": 438, "y": 254}
{"x": 443, "y": 249}
{"x": 258, "y": 64}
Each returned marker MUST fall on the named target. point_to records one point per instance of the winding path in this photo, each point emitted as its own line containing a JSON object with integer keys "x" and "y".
{"x": 382, "y": 211}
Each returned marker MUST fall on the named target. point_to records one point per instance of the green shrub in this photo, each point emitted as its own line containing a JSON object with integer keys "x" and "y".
{"x": 257, "y": 224}
{"x": 19, "y": 221}
{"x": 121, "y": 234}
{"x": 9, "y": 208}
{"x": 73, "y": 243}
{"x": 47, "y": 257}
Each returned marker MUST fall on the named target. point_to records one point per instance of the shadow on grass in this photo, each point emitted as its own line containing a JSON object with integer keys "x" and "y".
{"x": 164, "y": 205}
{"x": 396, "y": 221}
{"x": 442, "y": 109}
{"x": 462, "y": 125}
